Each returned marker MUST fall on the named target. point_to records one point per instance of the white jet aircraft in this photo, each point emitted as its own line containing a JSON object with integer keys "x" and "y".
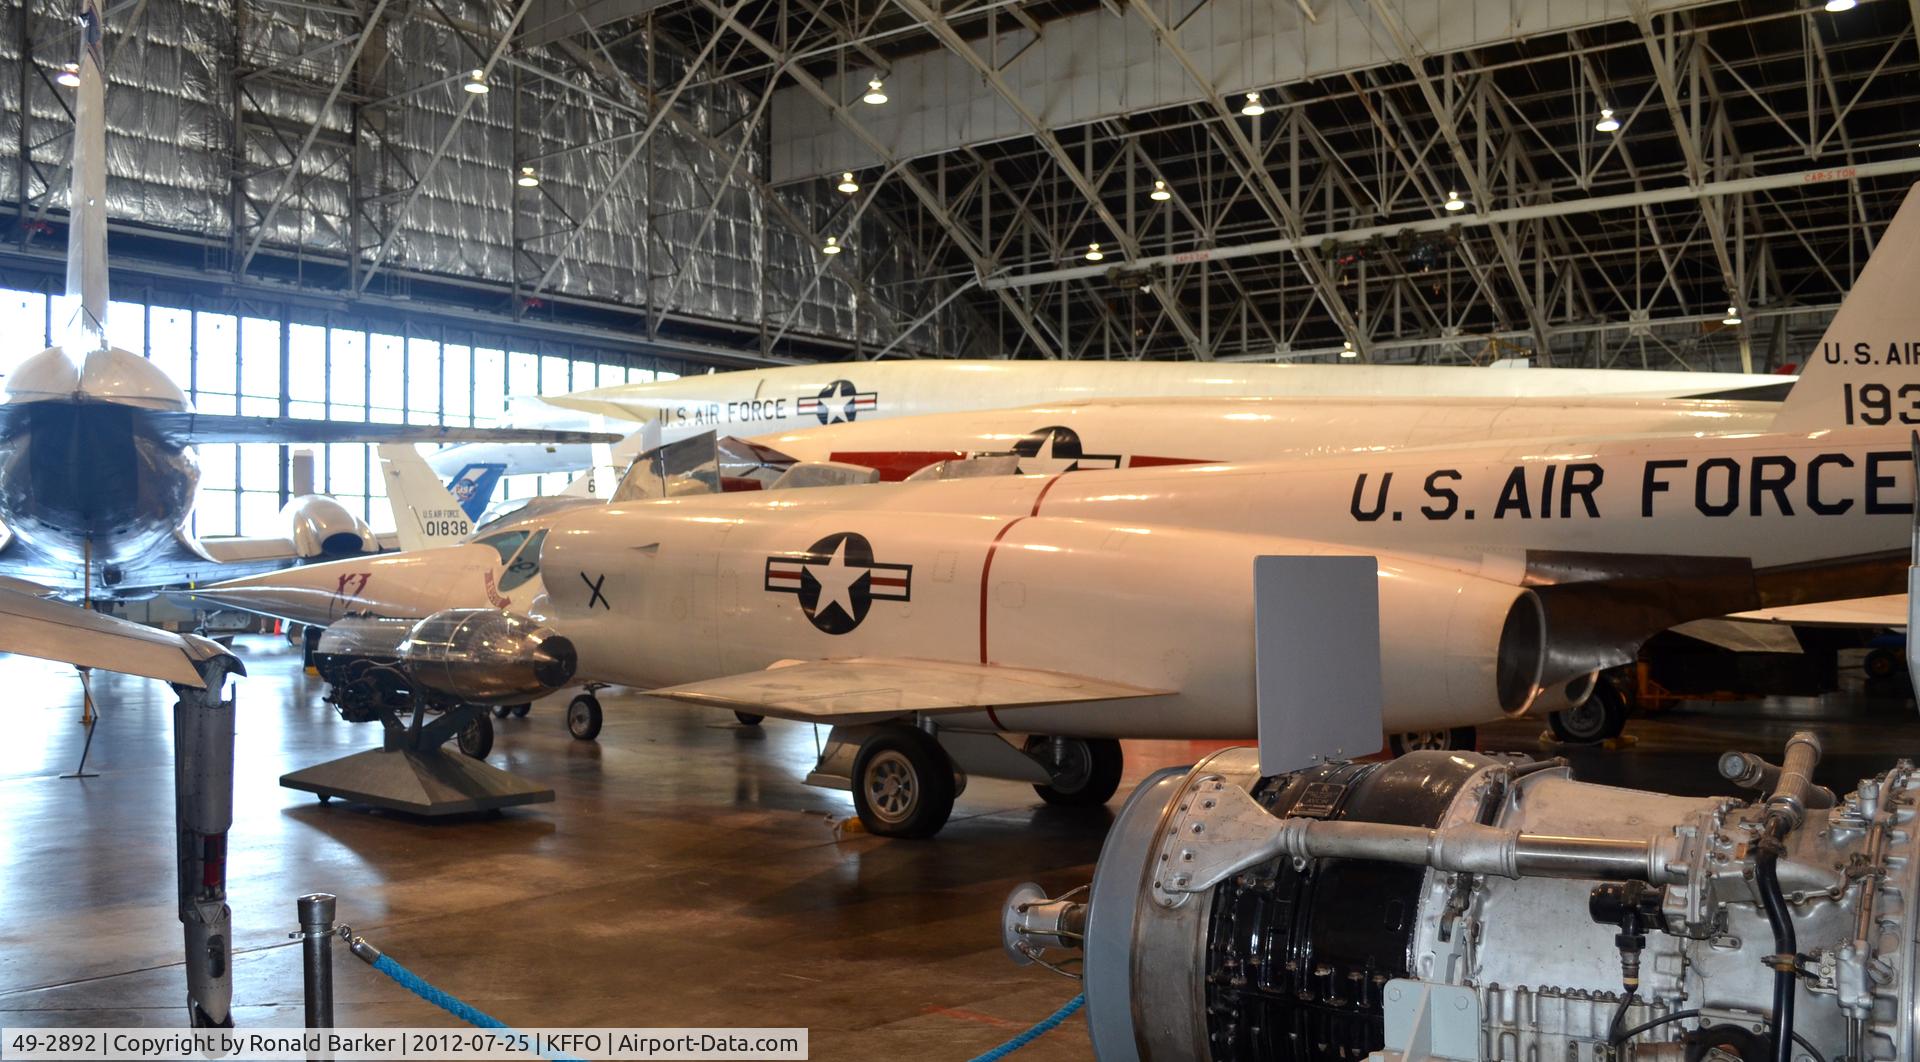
{"x": 760, "y": 402}
{"x": 930, "y": 621}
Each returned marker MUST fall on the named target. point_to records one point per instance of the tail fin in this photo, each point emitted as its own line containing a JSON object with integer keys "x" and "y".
{"x": 1866, "y": 371}
{"x": 472, "y": 487}
{"x": 87, "y": 227}
{"x": 425, "y": 514}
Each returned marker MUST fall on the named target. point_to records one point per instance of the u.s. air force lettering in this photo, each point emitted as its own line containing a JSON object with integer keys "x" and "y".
{"x": 1829, "y": 484}
{"x": 838, "y": 581}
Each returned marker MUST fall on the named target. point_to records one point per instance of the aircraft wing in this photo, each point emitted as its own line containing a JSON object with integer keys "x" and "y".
{"x": 865, "y": 689}
{"x": 1888, "y": 610}
{"x": 51, "y": 630}
{"x": 191, "y": 428}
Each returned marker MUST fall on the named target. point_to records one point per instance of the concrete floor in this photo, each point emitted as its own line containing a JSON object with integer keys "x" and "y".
{"x": 683, "y": 877}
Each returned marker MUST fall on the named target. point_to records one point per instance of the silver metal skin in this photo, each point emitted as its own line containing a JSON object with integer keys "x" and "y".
{"x": 203, "y": 812}
{"x": 1503, "y": 907}
{"x": 480, "y": 656}
{"x": 316, "y": 957}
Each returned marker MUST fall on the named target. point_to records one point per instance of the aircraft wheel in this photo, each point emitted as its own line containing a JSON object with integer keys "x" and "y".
{"x": 1445, "y": 739}
{"x": 749, "y": 719}
{"x": 584, "y": 717}
{"x": 500, "y": 711}
{"x": 520, "y": 710}
{"x": 1882, "y": 663}
{"x": 1603, "y": 716}
{"x": 1088, "y": 774}
{"x": 903, "y": 784}
{"x": 476, "y": 738}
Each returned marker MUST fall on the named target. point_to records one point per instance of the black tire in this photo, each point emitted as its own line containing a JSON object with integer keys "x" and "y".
{"x": 1089, "y": 777}
{"x": 520, "y": 710}
{"x": 749, "y": 719}
{"x": 1445, "y": 739}
{"x": 500, "y": 711}
{"x": 1603, "y": 716}
{"x": 309, "y": 644}
{"x": 903, "y": 784}
{"x": 1883, "y": 663}
{"x": 584, "y": 717}
{"x": 476, "y": 738}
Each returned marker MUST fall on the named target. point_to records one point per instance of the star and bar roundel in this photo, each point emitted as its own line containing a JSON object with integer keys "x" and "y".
{"x": 837, "y": 581}
{"x": 838, "y": 401}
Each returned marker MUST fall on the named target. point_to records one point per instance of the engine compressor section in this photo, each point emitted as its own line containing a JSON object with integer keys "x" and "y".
{"x": 1462, "y": 906}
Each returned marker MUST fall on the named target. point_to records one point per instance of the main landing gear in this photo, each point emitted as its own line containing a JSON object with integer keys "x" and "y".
{"x": 905, "y": 779}
{"x": 1446, "y": 739}
{"x": 1601, "y": 716}
{"x": 584, "y": 716}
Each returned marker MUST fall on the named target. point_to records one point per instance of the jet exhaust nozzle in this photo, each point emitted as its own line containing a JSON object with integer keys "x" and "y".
{"x": 482, "y": 656}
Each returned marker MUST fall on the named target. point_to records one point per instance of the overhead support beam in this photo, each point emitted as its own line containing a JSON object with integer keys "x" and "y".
{"x": 1662, "y": 53}
{"x": 387, "y": 242}
{"x": 1121, "y": 234}
{"x": 1564, "y": 208}
{"x": 1091, "y": 67}
{"x": 1276, "y": 204}
{"x": 927, "y": 197}
{"x": 1463, "y": 160}
{"x": 292, "y": 175}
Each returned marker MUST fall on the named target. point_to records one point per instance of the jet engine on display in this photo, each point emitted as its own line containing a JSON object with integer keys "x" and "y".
{"x": 1464, "y": 906}
{"x": 380, "y": 668}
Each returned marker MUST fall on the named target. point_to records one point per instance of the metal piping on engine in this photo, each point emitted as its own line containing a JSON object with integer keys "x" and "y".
{"x": 1792, "y": 790}
{"x": 1207, "y": 845}
{"x": 1749, "y": 771}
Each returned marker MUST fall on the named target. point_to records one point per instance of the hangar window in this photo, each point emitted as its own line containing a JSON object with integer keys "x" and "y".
{"x": 256, "y": 357}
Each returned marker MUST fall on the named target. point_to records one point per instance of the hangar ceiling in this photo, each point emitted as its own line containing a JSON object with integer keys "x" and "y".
{"x": 687, "y": 154}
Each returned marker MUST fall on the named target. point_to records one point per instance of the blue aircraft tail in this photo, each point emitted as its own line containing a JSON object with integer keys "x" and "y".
{"x": 473, "y": 487}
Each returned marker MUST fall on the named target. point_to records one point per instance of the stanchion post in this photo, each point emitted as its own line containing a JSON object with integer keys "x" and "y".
{"x": 316, "y": 932}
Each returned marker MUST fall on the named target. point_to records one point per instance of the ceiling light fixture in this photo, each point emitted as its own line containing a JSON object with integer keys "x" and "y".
{"x": 1732, "y": 317}
{"x": 847, "y": 183}
{"x": 1253, "y": 108}
{"x": 1837, "y": 6}
{"x": 476, "y": 83}
{"x": 1347, "y": 351}
{"x": 1093, "y": 252}
{"x": 1454, "y": 202}
{"x": 876, "y": 95}
{"x": 832, "y": 247}
{"x": 1159, "y": 193}
{"x": 69, "y": 75}
{"x": 527, "y": 178}
{"x": 1607, "y": 123}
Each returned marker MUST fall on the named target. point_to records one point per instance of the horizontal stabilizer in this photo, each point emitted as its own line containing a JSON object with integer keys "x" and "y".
{"x": 1889, "y": 610}
{"x": 54, "y": 630}
{"x": 865, "y": 689}
{"x": 195, "y": 428}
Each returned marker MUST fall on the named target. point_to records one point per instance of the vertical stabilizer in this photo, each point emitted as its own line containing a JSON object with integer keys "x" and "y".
{"x": 425, "y": 514}
{"x": 86, "y": 330}
{"x": 1866, "y": 371}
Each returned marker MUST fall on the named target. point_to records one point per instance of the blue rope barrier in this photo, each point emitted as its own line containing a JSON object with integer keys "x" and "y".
{"x": 455, "y": 1006}
{"x": 1047, "y": 1025}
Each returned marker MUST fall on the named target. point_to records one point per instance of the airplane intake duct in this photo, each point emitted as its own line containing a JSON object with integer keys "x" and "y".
{"x": 1463, "y": 646}
{"x": 1463, "y": 906}
{"x": 322, "y": 529}
{"x": 482, "y": 656}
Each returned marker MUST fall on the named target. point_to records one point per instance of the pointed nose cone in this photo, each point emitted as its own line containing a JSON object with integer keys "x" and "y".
{"x": 554, "y": 661}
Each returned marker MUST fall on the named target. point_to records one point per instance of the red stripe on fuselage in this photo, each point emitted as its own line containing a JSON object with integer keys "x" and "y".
{"x": 895, "y": 465}
{"x": 1149, "y": 461}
